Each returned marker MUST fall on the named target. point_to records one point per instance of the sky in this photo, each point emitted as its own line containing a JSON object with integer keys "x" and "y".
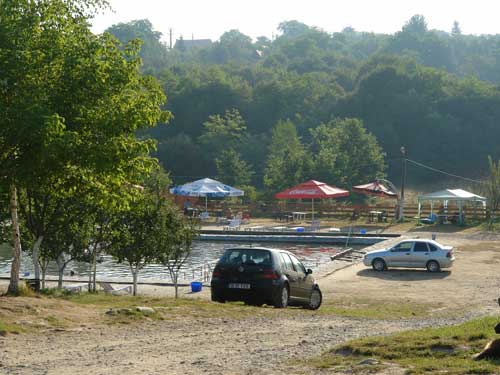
{"x": 211, "y": 18}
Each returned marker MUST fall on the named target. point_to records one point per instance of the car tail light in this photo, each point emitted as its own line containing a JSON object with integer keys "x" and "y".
{"x": 449, "y": 254}
{"x": 270, "y": 275}
{"x": 216, "y": 273}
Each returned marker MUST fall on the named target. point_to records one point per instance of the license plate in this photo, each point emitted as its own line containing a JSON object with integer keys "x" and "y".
{"x": 238, "y": 286}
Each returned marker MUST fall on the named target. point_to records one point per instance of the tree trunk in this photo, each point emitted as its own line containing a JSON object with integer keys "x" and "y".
{"x": 44, "y": 264}
{"x": 89, "y": 286}
{"x": 36, "y": 263}
{"x": 174, "y": 276}
{"x": 94, "y": 271}
{"x": 16, "y": 240}
{"x": 44, "y": 270}
{"x": 61, "y": 265}
{"x": 176, "y": 284}
{"x": 134, "y": 275}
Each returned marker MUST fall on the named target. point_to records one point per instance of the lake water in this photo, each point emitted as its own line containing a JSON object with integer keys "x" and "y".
{"x": 203, "y": 254}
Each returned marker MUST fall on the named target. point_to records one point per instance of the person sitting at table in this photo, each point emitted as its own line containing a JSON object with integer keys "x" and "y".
{"x": 442, "y": 215}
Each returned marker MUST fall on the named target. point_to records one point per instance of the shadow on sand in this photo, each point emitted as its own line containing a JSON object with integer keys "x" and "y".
{"x": 404, "y": 275}
{"x": 440, "y": 228}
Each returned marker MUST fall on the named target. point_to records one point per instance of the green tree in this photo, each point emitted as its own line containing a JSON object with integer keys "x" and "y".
{"x": 222, "y": 132}
{"x": 416, "y": 24}
{"x": 133, "y": 240}
{"x": 151, "y": 230}
{"x": 345, "y": 153}
{"x": 233, "y": 47}
{"x": 153, "y": 52}
{"x": 173, "y": 237}
{"x": 456, "y": 30}
{"x": 72, "y": 103}
{"x": 288, "y": 162}
{"x": 66, "y": 243}
{"x": 293, "y": 29}
{"x": 232, "y": 170}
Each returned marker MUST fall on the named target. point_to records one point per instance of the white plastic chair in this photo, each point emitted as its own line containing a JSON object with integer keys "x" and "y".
{"x": 233, "y": 224}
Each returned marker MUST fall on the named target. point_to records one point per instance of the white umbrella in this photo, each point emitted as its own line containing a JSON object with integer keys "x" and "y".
{"x": 207, "y": 188}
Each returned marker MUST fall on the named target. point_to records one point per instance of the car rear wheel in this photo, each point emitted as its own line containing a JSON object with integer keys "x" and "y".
{"x": 379, "y": 264}
{"x": 433, "y": 266}
{"x": 315, "y": 299}
{"x": 282, "y": 297}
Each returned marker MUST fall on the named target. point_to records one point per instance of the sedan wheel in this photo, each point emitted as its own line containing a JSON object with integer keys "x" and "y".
{"x": 433, "y": 266}
{"x": 378, "y": 264}
{"x": 282, "y": 298}
{"x": 315, "y": 300}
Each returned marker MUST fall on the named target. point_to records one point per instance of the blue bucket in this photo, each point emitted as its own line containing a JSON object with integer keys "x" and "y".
{"x": 362, "y": 231}
{"x": 196, "y": 286}
{"x": 299, "y": 229}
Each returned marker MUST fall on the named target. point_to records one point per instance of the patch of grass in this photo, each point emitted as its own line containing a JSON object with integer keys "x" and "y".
{"x": 6, "y": 328}
{"x": 169, "y": 307}
{"x": 55, "y": 292}
{"x": 375, "y": 309}
{"x": 447, "y": 350}
{"x": 23, "y": 291}
{"x": 54, "y": 321}
{"x": 490, "y": 226}
{"x": 130, "y": 315}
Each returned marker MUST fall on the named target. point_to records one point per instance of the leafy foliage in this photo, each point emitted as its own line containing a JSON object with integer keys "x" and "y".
{"x": 288, "y": 163}
{"x": 425, "y": 89}
{"x": 345, "y": 153}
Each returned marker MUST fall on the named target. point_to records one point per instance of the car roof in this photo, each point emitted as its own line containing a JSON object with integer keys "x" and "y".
{"x": 258, "y": 248}
{"x": 422, "y": 240}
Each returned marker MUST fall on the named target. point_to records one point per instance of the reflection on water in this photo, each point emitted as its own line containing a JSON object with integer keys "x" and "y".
{"x": 203, "y": 252}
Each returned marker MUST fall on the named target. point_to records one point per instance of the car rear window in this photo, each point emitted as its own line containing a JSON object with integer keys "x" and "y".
{"x": 432, "y": 247}
{"x": 421, "y": 246}
{"x": 247, "y": 256}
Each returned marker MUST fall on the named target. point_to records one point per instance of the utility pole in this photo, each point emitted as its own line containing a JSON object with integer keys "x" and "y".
{"x": 170, "y": 31}
{"x": 403, "y": 179}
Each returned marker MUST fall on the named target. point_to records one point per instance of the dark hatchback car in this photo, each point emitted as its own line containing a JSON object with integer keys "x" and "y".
{"x": 260, "y": 275}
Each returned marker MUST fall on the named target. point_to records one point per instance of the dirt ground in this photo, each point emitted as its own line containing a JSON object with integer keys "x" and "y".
{"x": 263, "y": 343}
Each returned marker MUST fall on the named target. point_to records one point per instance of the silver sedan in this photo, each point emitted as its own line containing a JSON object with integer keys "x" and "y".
{"x": 415, "y": 253}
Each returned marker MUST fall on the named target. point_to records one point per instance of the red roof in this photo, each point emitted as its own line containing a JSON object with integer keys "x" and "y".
{"x": 312, "y": 189}
{"x": 375, "y": 188}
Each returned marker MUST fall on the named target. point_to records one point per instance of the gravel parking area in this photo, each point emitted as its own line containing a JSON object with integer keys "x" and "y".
{"x": 259, "y": 344}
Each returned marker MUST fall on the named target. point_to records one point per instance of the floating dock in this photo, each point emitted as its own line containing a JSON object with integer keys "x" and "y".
{"x": 295, "y": 237}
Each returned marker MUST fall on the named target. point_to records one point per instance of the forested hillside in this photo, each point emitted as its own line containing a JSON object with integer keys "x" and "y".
{"x": 335, "y": 106}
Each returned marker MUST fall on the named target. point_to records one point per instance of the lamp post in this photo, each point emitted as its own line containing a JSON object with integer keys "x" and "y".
{"x": 403, "y": 179}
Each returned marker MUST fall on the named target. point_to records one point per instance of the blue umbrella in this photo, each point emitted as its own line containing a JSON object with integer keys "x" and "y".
{"x": 207, "y": 188}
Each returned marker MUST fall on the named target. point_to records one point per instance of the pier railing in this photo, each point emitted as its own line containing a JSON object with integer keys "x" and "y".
{"x": 201, "y": 273}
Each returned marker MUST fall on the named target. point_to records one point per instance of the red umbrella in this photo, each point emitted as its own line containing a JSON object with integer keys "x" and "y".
{"x": 312, "y": 189}
{"x": 375, "y": 188}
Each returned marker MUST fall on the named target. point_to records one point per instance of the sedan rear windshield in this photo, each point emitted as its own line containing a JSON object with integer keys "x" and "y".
{"x": 247, "y": 257}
